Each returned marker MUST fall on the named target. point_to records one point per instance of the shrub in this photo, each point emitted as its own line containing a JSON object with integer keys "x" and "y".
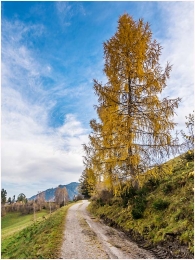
{"x": 151, "y": 184}
{"x": 139, "y": 206}
{"x": 136, "y": 198}
{"x": 104, "y": 197}
{"x": 168, "y": 188}
{"x": 128, "y": 194}
{"x": 189, "y": 156}
{"x": 160, "y": 204}
{"x": 137, "y": 213}
{"x": 117, "y": 201}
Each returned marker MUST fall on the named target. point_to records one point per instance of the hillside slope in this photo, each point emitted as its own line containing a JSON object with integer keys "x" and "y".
{"x": 160, "y": 215}
{"x": 39, "y": 240}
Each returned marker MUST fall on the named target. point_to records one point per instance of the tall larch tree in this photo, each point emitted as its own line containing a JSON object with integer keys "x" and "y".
{"x": 134, "y": 130}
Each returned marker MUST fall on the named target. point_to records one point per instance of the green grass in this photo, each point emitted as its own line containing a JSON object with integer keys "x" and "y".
{"x": 14, "y": 222}
{"x": 169, "y": 207}
{"x": 41, "y": 240}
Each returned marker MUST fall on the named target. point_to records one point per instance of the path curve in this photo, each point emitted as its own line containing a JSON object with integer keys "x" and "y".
{"x": 86, "y": 238}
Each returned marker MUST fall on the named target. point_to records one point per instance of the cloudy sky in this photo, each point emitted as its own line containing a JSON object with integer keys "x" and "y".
{"x": 51, "y": 52}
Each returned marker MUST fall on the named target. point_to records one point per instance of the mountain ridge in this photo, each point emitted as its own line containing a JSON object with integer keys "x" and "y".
{"x": 72, "y": 189}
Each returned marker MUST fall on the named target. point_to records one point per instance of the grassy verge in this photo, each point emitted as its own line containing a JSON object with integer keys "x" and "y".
{"x": 162, "y": 211}
{"x": 14, "y": 222}
{"x": 41, "y": 240}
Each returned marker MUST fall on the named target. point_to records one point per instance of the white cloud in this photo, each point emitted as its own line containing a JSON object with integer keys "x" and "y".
{"x": 34, "y": 156}
{"x": 178, "y": 49}
{"x": 66, "y": 11}
{"x": 71, "y": 126}
{"x": 32, "y": 152}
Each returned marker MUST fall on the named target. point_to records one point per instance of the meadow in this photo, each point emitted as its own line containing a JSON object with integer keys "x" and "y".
{"x": 22, "y": 238}
{"x": 14, "y": 222}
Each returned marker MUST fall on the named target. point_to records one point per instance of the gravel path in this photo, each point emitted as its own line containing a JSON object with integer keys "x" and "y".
{"x": 87, "y": 238}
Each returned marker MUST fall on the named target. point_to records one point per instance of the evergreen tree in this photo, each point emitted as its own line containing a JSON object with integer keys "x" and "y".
{"x": 3, "y": 196}
{"x": 13, "y": 199}
{"x": 87, "y": 183}
{"x": 21, "y": 197}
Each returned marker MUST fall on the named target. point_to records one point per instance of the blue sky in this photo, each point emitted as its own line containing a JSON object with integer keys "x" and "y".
{"x": 51, "y": 52}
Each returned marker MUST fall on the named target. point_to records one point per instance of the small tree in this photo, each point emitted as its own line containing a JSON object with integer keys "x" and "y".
{"x": 50, "y": 207}
{"x": 34, "y": 210}
{"x": 61, "y": 196}
{"x": 22, "y": 198}
{"x": 9, "y": 200}
{"x": 189, "y": 138}
{"x": 3, "y": 196}
{"x": 87, "y": 183}
{"x": 13, "y": 199}
{"x": 40, "y": 199}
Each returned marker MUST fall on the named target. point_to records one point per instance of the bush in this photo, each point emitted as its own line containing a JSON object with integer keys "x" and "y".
{"x": 128, "y": 194}
{"x": 137, "y": 213}
{"x": 104, "y": 197}
{"x": 152, "y": 184}
{"x": 168, "y": 188}
{"x": 136, "y": 198}
{"x": 189, "y": 156}
{"x": 160, "y": 204}
{"x": 117, "y": 201}
{"x": 139, "y": 206}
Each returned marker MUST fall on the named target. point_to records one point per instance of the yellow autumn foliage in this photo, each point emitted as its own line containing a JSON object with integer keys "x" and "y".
{"x": 133, "y": 131}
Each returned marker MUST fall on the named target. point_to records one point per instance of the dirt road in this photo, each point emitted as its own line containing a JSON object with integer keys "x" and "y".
{"x": 86, "y": 237}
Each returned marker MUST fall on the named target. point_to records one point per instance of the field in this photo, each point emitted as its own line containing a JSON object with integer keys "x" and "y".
{"x": 24, "y": 239}
{"x": 14, "y": 222}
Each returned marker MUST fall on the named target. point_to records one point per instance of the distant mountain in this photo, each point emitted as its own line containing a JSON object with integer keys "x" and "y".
{"x": 72, "y": 189}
